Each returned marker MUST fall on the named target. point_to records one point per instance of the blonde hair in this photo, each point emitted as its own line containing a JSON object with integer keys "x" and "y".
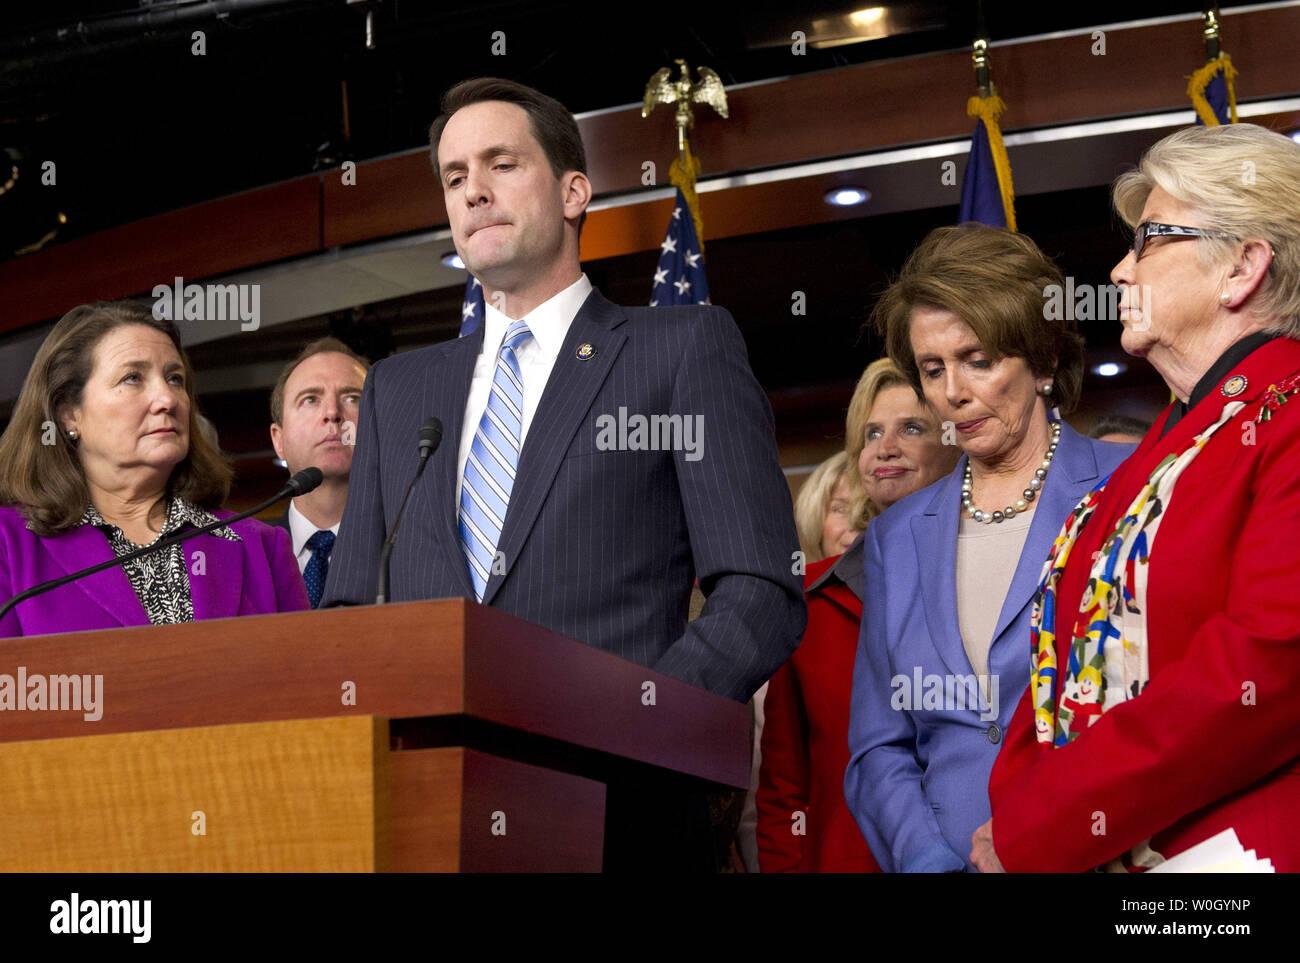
{"x": 880, "y": 374}
{"x": 996, "y": 281}
{"x": 1240, "y": 179}
{"x": 814, "y": 502}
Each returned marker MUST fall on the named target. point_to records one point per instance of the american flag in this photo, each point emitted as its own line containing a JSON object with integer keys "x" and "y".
{"x": 471, "y": 312}
{"x": 680, "y": 279}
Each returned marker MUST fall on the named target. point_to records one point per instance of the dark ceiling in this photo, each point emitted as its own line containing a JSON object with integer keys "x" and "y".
{"x": 137, "y": 124}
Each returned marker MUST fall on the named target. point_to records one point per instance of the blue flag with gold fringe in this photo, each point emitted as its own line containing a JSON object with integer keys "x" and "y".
{"x": 1212, "y": 94}
{"x": 987, "y": 195}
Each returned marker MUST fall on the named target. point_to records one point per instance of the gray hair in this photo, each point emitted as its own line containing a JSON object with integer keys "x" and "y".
{"x": 1240, "y": 179}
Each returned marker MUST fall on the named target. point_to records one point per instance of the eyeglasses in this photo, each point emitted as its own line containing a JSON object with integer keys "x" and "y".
{"x": 1149, "y": 229}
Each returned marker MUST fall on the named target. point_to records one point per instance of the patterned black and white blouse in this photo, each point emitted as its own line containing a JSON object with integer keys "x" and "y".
{"x": 160, "y": 579}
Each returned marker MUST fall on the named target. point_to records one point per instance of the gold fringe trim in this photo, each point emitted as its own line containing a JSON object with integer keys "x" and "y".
{"x": 684, "y": 178}
{"x": 1201, "y": 79}
{"x": 989, "y": 110}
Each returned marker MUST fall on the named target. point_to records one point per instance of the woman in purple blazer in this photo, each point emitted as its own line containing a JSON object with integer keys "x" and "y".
{"x": 943, "y": 654}
{"x": 103, "y": 456}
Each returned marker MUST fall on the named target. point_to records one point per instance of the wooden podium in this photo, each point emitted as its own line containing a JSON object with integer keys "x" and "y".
{"x": 438, "y": 736}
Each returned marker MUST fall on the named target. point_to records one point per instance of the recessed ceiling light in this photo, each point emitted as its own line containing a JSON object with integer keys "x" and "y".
{"x": 452, "y": 260}
{"x": 869, "y": 15}
{"x": 847, "y": 196}
{"x": 1109, "y": 369}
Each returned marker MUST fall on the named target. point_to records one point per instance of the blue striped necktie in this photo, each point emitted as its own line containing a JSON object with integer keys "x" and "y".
{"x": 493, "y": 458}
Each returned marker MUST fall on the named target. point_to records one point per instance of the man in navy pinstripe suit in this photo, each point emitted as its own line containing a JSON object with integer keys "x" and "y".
{"x": 528, "y": 505}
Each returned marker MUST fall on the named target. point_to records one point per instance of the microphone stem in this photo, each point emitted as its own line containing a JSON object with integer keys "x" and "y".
{"x": 381, "y": 596}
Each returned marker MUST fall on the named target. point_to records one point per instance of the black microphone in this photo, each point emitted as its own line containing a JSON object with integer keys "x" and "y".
{"x": 430, "y": 438}
{"x": 300, "y": 484}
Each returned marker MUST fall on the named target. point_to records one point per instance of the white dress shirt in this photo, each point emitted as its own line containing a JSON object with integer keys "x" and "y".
{"x": 549, "y": 323}
{"x": 300, "y": 529}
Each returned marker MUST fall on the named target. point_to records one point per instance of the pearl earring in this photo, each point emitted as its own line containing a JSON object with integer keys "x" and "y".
{"x": 72, "y": 434}
{"x": 1047, "y": 389}
{"x": 1225, "y": 297}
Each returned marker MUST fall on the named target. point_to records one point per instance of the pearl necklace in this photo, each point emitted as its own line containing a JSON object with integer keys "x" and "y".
{"x": 1030, "y": 493}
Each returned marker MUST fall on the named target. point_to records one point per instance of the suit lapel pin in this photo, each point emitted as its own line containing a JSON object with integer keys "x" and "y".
{"x": 1234, "y": 386}
{"x": 586, "y": 351}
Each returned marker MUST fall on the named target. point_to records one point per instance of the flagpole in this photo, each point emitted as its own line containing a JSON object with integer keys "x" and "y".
{"x": 1217, "y": 67}
{"x": 1210, "y": 17}
{"x": 679, "y": 277}
{"x": 980, "y": 55}
{"x": 986, "y": 109}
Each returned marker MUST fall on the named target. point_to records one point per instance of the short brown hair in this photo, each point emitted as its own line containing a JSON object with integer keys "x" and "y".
{"x": 550, "y": 122}
{"x": 47, "y": 480}
{"x": 997, "y": 281}
{"x": 319, "y": 346}
{"x": 1117, "y": 424}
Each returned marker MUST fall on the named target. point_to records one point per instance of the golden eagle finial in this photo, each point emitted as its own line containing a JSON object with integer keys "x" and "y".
{"x": 683, "y": 93}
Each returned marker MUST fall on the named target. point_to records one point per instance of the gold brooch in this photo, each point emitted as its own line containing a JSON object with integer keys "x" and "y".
{"x": 1234, "y": 386}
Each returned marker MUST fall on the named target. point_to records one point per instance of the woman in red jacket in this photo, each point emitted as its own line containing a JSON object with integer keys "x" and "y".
{"x": 1162, "y": 709}
{"x": 804, "y": 824}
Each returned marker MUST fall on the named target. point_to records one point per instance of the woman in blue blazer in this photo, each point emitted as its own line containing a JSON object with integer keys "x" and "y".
{"x": 950, "y": 571}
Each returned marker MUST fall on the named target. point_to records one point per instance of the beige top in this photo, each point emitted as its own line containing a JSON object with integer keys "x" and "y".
{"x": 987, "y": 555}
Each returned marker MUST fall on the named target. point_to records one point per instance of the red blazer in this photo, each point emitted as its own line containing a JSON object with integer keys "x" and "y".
{"x": 805, "y": 747}
{"x": 1214, "y": 740}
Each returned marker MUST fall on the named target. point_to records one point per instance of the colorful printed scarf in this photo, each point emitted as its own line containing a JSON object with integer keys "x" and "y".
{"x": 1108, "y": 646}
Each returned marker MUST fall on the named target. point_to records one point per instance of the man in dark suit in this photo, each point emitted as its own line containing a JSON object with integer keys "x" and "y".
{"x": 597, "y": 459}
{"x": 313, "y": 423}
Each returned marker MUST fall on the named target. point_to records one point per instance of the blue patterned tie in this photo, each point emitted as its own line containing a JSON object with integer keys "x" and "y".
{"x": 319, "y": 564}
{"x": 493, "y": 458}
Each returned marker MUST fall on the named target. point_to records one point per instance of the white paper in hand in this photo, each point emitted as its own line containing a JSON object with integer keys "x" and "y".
{"x": 1218, "y": 854}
